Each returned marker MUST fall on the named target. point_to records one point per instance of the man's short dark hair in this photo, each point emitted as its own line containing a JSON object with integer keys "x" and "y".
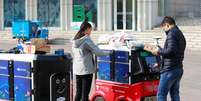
{"x": 168, "y": 20}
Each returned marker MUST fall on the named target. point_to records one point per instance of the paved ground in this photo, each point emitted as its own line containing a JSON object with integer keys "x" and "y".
{"x": 191, "y": 81}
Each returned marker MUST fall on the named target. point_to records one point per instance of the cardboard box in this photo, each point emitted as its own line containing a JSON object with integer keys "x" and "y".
{"x": 40, "y": 44}
{"x": 43, "y": 48}
{"x": 29, "y": 49}
{"x": 38, "y": 41}
{"x": 150, "y": 48}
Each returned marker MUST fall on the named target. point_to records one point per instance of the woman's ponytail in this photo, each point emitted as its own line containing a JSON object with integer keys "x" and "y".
{"x": 84, "y": 26}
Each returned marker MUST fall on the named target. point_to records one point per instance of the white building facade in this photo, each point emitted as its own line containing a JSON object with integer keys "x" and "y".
{"x": 107, "y": 15}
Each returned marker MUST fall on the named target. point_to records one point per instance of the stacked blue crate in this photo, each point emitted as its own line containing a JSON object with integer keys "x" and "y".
{"x": 4, "y": 85}
{"x": 40, "y": 32}
{"x": 122, "y": 66}
{"x": 114, "y": 67}
{"x": 21, "y": 29}
{"x": 34, "y": 29}
{"x": 22, "y": 81}
{"x": 104, "y": 64}
{"x": 43, "y": 33}
{"x": 28, "y": 29}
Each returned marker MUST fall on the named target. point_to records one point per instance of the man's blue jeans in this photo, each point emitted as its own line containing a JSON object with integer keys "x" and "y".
{"x": 170, "y": 82}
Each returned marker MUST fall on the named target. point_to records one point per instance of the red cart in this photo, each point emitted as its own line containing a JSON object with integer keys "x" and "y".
{"x": 127, "y": 76}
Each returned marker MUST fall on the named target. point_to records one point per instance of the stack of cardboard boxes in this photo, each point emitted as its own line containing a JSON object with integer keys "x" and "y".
{"x": 37, "y": 45}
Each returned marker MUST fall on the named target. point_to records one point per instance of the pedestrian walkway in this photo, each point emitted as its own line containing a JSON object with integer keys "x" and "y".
{"x": 191, "y": 81}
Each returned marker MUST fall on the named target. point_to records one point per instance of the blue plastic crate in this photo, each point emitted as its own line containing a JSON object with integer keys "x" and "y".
{"x": 104, "y": 70}
{"x": 4, "y": 67}
{"x": 22, "y": 81}
{"x": 122, "y": 73}
{"x": 121, "y": 56}
{"x": 4, "y": 87}
{"x": 22, "y": 68}
{"x": 21, "y": 29}
{"x": 43, "y": 33}
{"x": 106, "y": 57}
{"x": 22, "y": 87}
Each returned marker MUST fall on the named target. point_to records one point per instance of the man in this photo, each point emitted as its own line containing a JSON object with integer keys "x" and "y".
{"x": 172, "y": 61}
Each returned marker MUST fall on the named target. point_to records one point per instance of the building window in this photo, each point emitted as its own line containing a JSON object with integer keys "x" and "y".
{"x": 13, "y": 10}
{"x": 123, "y": 15}
{"x": 49, "y": 12}
{"x": 129, "y": 14}
{"x": 161, "y": 8}
{"x": 83, "y": 9}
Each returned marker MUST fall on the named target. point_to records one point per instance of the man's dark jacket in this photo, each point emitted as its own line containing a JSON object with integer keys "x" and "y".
{"x": 173, "y": 51}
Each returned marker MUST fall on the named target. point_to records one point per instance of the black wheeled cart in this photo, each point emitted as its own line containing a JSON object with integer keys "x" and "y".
{"x": 29, "y": 77}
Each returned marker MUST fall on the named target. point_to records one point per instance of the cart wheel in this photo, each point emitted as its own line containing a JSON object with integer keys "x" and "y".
{"x": 99, "y": 98}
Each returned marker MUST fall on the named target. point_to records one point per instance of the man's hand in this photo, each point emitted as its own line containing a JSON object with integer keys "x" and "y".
{"x": 155, "y": 52}
{"x": 151, "y": 48}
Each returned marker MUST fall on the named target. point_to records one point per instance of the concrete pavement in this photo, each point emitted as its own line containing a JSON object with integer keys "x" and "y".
{"x": 191, "y": 81}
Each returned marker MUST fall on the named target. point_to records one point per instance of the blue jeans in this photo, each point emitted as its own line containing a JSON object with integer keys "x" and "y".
{"x": 170, "y": 82}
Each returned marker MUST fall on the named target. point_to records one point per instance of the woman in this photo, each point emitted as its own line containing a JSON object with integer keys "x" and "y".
{"x": 83, "y": 63}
